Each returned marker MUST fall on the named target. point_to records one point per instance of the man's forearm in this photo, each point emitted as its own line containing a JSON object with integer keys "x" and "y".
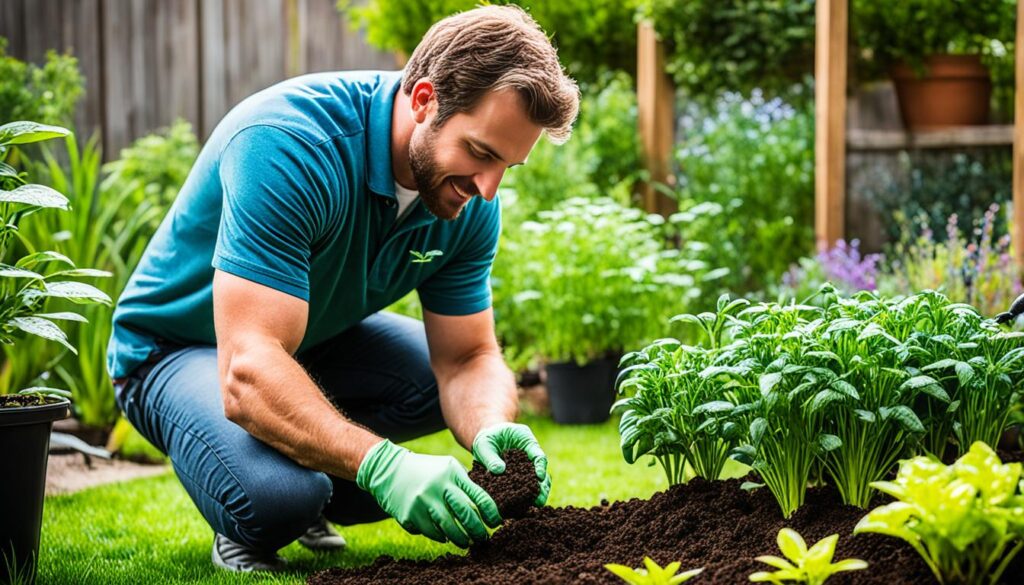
{"x": 476, "y": 393}
{"x": 267, "y": 393}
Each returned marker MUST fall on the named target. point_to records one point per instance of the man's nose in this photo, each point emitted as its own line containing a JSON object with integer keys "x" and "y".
{"x": 487, "y": 183}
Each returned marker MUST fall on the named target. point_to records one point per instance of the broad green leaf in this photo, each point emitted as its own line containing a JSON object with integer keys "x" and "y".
{"x": 64, "y": 316}
{"x": 849, "y": 565}
{"x": 829, "y": 442}
{"x": 46, "y": 390}
{"x": 964, "y": 373}
{"x": 36, "y": 196}
{"x": 767, "y": 382}
{"x": 713, "y": 407}
{"x": 14, "y": 272}
{"x": 7, "y": 170}
{"x": 43, "y": 257}
{"x": 24, "y": 132}
{"x": 77, "y": 292}
{"x": 906, "y": 417}
{"x": 792, "y": 544}
{"x": 42, "y": 328}
{"x": 823, "y": 399}
{"x": 81, "y": 272}
{"x": 865, "y": 415}
{"x": 940, "y": 365}
{"x": 757, "y": 430}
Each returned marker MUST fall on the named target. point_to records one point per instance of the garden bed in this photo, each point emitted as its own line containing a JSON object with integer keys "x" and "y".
{"x": 714, "y": 525}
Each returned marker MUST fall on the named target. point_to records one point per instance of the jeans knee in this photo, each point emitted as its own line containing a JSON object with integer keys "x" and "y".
{"x": 280, "y": 509}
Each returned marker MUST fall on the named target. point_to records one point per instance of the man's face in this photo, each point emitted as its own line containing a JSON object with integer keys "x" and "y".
{"x": 469, "y": 153}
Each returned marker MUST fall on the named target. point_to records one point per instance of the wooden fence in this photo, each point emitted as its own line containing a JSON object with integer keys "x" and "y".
{"x": 147, "y": 62}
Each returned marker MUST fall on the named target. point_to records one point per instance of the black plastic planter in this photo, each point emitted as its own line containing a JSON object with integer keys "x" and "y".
{"x": 581, "y": 394}
{"x": 24, "y": 444}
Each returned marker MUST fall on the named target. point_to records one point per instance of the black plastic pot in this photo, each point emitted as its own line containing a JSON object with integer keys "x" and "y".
{"x": 24, "y": 443}
{"x": 581, "y": 394}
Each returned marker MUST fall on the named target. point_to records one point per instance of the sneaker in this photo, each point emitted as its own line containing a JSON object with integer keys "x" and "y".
{"x": 239, "y": 558}
{"x": 321, "y": 536}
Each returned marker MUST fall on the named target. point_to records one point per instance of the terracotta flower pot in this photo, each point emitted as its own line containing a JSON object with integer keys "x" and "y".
{"x": 956, "y": 90}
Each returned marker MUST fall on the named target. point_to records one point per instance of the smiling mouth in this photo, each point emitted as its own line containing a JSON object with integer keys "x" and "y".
{"x": 460, "y": 192}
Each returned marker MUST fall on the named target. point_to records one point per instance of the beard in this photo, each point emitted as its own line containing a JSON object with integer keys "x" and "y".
{"x": 430, "y": 181}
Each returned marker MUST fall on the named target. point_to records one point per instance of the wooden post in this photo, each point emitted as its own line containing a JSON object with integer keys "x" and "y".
{"x": 656, "y": 114}
{"x": 830, "y": 121}
{"x": 1017, "y": 231}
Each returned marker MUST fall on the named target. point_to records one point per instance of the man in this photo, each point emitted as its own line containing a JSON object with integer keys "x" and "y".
{"x": 248, "y": 345}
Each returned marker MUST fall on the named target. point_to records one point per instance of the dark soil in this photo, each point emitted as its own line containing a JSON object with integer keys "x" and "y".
{"x": 515, "y": 490}
{"x": 18, "y": 400}
{"x": 714, "y": 525}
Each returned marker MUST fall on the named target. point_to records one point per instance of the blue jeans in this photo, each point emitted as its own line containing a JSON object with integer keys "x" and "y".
{"x": 377, "y": 373}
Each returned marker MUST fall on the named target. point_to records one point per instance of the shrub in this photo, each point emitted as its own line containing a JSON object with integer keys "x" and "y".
{"x": 586, "y": 278}
{"x": 812, "y": 566}
{"x": 738, "y": 45}
{"x": 47, "y": 94}
{"x": 746, "y": 184}
{"x": 590, "y": 36}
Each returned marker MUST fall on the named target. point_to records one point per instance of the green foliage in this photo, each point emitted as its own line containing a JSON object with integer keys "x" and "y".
{"x": 747, "y": 184}
{"x": 109, "y": 226}
{"x": 911, "y": 30}
{"x": 586, "y": 278}
{"x": 652, "y": 573}
{"x": 812, "y": 566}
{"x": 601, "y": 159}
{"x": 714, "y": 46}
{"x": 845, "y": 387}
{"x": 47, "y": 94}
{"x": 159, "y": 163}
{"x": 590, "y": 36}
{"x": 966, "y": 520}
{"x": 36, "y": 276}
{"x": 938, "y": 185}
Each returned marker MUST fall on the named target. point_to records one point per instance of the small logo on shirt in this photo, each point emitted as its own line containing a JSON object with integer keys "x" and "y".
{"x": 424, "y": 257}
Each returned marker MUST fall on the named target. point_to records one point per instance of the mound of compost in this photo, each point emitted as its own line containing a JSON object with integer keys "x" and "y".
{"x": 515, "y": 490}
{"x": 715, "y": 525}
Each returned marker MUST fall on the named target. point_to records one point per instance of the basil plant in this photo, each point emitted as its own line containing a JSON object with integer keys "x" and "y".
{"x": 30, "y": 277}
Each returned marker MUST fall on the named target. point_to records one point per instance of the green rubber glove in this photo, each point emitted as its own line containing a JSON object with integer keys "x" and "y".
{"x": 427, "y": 494}
{"x": 492, "y": 441}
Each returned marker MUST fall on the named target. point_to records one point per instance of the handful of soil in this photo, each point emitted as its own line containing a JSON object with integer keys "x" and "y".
{"x": 515, "y": 490}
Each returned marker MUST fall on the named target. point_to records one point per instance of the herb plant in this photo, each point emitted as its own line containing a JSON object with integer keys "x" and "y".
{"x": 836, "y": 390}
{"x": 966, "y": 520}
{"x": 652, "y": 573}
{"x": 35, "y": 276}
{"x": 812, "y": 566}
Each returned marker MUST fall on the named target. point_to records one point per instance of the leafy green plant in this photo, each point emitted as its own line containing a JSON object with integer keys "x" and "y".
{"x": 590, "y": 36}
{"x": 105, "y": 228}
{"x": 966, "y": 520}
{"x": 590, "y": 277}
{"x": 601, "y": 159}
{"x": 737, "y": 45}
{"x": 812, "y": 566}
{"x": 38, "y": 275}
{"x": 47, "y": 94}
{"x": 837, "y": 390}
{"x": 652, "y": 573}
{"x": 746, "y": 183}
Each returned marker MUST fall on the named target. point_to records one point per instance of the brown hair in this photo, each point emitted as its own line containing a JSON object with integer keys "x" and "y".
{"x": 489, "y": 49}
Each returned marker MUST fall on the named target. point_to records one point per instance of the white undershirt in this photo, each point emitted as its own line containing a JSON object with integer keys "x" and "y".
{"x": 405, "y": 200}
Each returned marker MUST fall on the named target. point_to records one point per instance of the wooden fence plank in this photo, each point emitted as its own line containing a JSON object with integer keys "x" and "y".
{"x": 830, "y": 121}
{"x": 656, "y": 114}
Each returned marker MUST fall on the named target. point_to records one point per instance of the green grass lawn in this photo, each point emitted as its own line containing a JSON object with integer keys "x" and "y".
{"x": 148, "y": 530}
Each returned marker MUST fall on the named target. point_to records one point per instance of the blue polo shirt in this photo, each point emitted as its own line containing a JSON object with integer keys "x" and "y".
{"x": 294, "y": 191}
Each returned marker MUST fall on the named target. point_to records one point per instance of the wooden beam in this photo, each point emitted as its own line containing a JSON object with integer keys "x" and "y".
{"x": 656, "y": 116}
{"x": 830, "y": 121}
{"x": 1017, "y": 233}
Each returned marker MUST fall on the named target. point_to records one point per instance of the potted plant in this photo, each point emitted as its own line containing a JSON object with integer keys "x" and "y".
{"x": 939, "y": 54}
{"x": 25, "y": 286}
{"x": 574, "y": 288}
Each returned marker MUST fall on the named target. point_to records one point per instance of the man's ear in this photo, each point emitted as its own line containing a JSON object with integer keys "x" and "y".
{"x": 422, "y": 100}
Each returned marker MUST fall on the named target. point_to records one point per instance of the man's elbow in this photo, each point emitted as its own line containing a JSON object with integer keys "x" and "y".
{"x": 238, "y": 388}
